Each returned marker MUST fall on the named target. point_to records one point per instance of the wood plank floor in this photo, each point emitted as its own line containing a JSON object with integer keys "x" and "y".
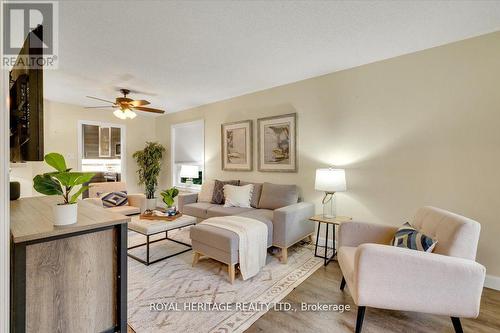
{"x": 323, "y": 287}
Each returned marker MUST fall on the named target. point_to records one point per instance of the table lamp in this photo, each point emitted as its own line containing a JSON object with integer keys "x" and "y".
{"x": 189, "y": 172}
{"x": 330, "y": 181}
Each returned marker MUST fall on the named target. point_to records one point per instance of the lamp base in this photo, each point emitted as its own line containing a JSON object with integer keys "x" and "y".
{"x": 329, "y": 205}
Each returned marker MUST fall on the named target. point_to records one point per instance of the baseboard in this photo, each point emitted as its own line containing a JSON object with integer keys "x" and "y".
{"x": 492, "y": 282}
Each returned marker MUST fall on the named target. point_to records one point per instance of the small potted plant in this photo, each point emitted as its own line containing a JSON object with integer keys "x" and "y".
{"x": 62, "y": 182}
{"x": 148, "y": 168}
{"x": 168, "y": 198}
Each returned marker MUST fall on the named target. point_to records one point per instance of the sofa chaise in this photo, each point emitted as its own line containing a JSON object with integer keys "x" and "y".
{"x": 276, "y": 205}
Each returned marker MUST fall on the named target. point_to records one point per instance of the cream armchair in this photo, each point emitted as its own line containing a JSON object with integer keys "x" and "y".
{"x": 446, "y": 282}
{"x": 136, "y": 202}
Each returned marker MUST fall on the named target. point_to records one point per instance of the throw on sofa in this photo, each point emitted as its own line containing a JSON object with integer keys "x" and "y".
{"x": 275, "y": 205}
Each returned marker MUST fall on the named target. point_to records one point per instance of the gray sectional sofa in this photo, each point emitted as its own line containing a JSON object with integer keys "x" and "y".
{"x": 276, "y": 205}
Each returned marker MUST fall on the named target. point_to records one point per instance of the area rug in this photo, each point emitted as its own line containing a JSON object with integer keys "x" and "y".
{"x": 154, "y": 291}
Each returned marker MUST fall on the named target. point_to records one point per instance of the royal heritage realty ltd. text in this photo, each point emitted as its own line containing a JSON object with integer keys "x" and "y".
{"x": 247, "y": 307}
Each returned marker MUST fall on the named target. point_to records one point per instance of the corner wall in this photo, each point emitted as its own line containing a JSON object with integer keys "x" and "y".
{"x": 420, "y": 129}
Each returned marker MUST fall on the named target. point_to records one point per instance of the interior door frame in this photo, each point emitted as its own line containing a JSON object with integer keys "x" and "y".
{"x": 123, "y": 141}
{"x": 4, "y": 194}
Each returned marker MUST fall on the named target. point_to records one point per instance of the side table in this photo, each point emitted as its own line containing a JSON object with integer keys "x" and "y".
{"x": 328, "y": 222}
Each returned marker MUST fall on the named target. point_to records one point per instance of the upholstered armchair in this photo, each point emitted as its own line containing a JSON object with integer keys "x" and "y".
{"x": 136, "y": 202}
{"x": 447, "y": 282}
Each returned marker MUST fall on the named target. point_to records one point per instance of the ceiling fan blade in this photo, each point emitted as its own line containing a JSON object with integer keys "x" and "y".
{"x": 140, "y": 102}
{"x": 140, "y": 108}
{"x": 100, "y": 99}
{"x": 99, "y": 107}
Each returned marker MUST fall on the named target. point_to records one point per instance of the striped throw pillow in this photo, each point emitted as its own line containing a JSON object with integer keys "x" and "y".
{"x": 409, "y": 237}
{"x": 114, "y": 199}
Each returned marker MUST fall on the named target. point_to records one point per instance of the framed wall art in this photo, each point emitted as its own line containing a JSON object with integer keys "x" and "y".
{"x": 277, "y": 143}
{"x": 236, "y": 146}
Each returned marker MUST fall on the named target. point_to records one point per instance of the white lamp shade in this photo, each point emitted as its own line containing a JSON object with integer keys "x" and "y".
{"x": 330, "y": 180}
{"x": 189, "y": 171}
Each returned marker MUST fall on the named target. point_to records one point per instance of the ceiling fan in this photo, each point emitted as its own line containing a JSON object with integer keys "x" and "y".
{"x": 125, "y": 105}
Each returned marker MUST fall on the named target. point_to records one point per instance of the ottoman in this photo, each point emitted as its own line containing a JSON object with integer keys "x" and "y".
{"x": 219, "y": 244}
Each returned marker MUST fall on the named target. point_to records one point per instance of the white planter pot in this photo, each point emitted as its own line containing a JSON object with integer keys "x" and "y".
{"x": 151, "y": 204}
{"x": 65, "y": 214}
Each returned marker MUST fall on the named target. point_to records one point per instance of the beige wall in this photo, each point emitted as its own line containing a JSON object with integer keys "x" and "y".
{"x": 61, "y": 135}
{"x": 420, "y": 129}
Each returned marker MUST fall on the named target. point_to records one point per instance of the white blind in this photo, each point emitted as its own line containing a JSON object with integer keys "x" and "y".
{"x": 188, "y": 143}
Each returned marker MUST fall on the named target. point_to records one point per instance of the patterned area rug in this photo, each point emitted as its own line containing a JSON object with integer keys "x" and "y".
{"x": 174, "y": 281}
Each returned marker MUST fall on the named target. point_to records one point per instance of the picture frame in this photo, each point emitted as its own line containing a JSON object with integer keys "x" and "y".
{"x": 277, "y": 143}
{"x": 237, "y": 146}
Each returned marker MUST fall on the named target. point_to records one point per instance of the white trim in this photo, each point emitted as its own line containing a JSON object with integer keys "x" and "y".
{"x": 4, "y": 194}
{"x": 123, "y": 145}
{"x": 492, "y": 282}
{"x": 173, "y": 127}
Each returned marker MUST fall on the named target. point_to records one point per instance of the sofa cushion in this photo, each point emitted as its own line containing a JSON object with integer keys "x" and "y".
{"x": 275, "y": 196}
{"x": 198, "y": 209}
{"x": 263, "y": 215}
{"x": 219, "y": 210}
{"x": 238, "y": 196}
{"x": 218, "y": 196}
{"x": 409, "y": 237}
{"x": 207, "y": 191}
{"x": 125, "y": 210}
{"x": 257, "y": 190}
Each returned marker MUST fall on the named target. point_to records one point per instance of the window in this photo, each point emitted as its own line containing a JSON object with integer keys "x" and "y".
{"x": 188, "y": 148}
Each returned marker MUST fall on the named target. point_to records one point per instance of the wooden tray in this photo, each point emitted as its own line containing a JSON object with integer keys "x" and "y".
{"x": 162, "y": 218}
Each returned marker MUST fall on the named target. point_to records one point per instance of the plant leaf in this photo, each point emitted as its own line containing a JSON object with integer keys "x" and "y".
{"x": 45, "y": 184}
{"x": 56, "y": 161}
{"x": 75, "y": 196}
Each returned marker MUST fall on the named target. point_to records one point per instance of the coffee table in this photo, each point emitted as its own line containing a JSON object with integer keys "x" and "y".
{"x": 150, "y": 228}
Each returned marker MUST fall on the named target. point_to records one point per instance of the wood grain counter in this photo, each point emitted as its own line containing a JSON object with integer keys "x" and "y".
{"x": 67, "y": 278}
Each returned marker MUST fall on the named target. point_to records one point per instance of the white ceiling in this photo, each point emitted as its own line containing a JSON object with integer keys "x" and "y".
{"x": 187, "y": 54}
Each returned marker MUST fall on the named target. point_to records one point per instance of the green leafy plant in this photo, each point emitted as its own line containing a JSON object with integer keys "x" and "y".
{"x": 149, "y": 165}
{"x": 61, "y": 182}
{"x": 169, "y": 195}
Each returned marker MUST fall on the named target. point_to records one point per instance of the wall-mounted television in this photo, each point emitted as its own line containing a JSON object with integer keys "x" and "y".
{"x": 26, "y": 102}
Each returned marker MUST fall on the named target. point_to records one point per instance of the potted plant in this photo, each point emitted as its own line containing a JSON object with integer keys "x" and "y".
{"x": 62, "y": 182}
{"x": 149, "y": 164}
{"x": 168, "y": 198}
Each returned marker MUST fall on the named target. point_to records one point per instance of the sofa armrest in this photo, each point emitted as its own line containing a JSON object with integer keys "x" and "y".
{"x": 291, "y": 224}
{"x": 94, "y": 201}
{"x": 396, "y": 278}
{"x": 185, "y": 199}
{"x": 137, "y": 200}
{"x": 357, "y": 233}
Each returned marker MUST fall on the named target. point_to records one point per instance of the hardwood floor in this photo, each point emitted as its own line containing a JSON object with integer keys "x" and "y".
{"x": 323, "y": 287}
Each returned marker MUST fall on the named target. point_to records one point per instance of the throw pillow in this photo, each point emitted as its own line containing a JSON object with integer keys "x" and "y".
{"x": 114, "y": 199}
{"x": 238, "y": 196}
{"x": 257, "y": 190}
{"x": 409, "y": 237}
{"x": 275, "y": 196}
{"x": 207, "y": 191}
{"x": 218, "y": 196}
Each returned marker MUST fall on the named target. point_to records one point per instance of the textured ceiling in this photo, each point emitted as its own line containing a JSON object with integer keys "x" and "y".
{"x": 185, "y": 54}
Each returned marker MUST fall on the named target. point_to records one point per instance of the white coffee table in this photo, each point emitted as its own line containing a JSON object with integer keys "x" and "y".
{"x": 149, "y": 228}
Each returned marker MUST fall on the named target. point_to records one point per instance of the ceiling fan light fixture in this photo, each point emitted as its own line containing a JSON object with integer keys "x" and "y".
{"x": 130, "y": 114}
{"x": 120, "y": 114}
